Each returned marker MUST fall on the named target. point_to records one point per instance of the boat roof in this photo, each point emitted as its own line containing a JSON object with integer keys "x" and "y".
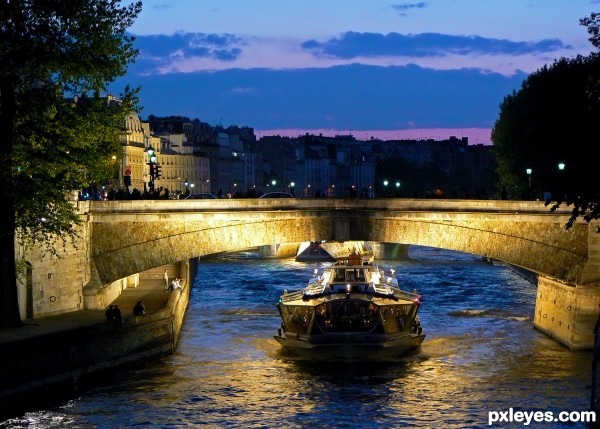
{"x": 354, "y": 259}
{"x": 360, "y": 277}
{"x": 313, "y": 301}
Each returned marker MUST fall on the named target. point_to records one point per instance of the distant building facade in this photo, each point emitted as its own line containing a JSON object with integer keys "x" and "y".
{"x": 231, "y": 160}
{"x": 134, "y": 157}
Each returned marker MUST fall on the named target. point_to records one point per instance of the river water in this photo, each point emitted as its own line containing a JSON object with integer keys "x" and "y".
{"x": 481, "y": 354}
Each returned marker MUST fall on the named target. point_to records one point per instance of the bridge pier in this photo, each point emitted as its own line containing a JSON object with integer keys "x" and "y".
{"x": 390, "y": 251}
{"x": 282, "y": 250}
{"x": 567, "y": 313}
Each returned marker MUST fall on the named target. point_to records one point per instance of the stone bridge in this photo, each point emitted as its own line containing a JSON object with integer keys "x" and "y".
{"x": 123, "y": 238}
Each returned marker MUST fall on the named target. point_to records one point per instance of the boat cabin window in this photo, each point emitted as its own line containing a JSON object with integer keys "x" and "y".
{"x": 354, "y": 288}
{"x": 398, "y": 318}
{"x": 354, "y": 275}
{"x": 346, "y": 316}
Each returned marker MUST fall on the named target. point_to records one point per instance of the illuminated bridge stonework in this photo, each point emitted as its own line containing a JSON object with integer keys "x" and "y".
{"x": 128, "y": 237}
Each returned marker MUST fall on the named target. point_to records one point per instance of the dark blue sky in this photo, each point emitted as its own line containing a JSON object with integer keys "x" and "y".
{"x": 347, "y": 64}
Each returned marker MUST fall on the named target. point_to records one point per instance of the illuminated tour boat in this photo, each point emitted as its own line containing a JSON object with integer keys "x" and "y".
{"x": 353, "y": 309}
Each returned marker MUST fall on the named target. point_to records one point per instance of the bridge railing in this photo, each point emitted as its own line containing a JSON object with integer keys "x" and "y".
{"x": 253, "y": 204}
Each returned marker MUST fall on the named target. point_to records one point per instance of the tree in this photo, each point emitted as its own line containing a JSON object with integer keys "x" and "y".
{"x": 592, "y": 23}
{"x": 593, "y": 27}
{"x": 553, "y": 120}
{"x": 54, "y": 142}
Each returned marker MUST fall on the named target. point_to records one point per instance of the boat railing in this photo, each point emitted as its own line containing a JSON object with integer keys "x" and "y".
{"x": 314, "y": 288}
{"x": 382, "y": 289}
{"x": 292, "y": 296}
{"x": 317, "y": 289}
{"x": 406, "y": 295}
{"x": 389, "y": 285}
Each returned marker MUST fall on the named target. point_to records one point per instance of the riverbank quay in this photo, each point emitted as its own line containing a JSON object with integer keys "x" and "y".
{"x": 56, "y": 353}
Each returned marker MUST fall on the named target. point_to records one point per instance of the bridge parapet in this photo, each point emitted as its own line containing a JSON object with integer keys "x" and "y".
{"x": 404, "y": 204}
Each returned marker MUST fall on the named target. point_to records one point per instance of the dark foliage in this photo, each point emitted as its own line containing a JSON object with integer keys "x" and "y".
{"x": 553, "y": 119}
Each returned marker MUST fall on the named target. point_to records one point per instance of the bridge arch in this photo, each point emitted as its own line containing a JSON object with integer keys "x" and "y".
{"x": 131, "y": 240}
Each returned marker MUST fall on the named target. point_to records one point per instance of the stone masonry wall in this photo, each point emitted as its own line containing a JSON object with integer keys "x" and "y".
{"x": 567, "y": 313}
{"x": 56, "y": 281}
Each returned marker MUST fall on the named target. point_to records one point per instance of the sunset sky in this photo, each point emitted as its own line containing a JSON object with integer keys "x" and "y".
{"x": 382, "y": 68}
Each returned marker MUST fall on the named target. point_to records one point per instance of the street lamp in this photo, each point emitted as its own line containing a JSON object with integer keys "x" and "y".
{"x": 561, "y": 168}
{"x": 529, "y": 171}
{"x": 152, "y": 163}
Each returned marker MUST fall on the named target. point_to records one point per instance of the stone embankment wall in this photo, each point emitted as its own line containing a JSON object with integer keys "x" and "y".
{"x": 567, "y": 313}
{"x": 61, "y": 359}
{"x": 54, "y": 283}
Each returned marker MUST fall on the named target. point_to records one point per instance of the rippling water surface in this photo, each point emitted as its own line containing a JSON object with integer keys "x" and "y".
{"x": 481, "y": 354}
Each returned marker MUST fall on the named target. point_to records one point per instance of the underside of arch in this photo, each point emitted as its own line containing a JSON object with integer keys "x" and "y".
{"x": 547, "y": 249}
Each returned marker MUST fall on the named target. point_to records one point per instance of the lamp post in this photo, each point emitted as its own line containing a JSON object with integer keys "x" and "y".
{"x": 385, "y": 183}
{"x": 152, "y": 164}
{"x": 561, "y": 169}
{"x": 529, "y": 171}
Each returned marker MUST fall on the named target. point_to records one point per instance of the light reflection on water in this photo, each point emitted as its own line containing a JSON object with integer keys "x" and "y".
{"x": 481, "y": 354}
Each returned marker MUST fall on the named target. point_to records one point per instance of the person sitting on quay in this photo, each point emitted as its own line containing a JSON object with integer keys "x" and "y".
{"x": 175, "y": 284}
{"x": 113, "y": 314}
{"x": 110, "y": 313}
{"x": 139, "y": 309}
{"x": 117, "y": 317}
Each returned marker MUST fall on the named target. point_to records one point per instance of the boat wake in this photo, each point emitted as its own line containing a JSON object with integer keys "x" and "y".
{"x": 491, "y": 313}
{"x": 287, "y": 355}
{"x": 248, "y": 312}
